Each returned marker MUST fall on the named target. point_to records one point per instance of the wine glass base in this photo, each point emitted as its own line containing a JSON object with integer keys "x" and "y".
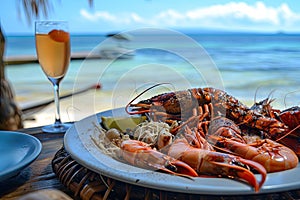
{"x": 56, "y": 128}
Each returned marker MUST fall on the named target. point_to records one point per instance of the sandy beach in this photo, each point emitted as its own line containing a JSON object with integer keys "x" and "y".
{"x": 70, "y": 111}
{"x": 69, "y": 107}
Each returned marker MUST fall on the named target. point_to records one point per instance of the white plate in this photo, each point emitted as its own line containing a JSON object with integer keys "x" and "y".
{"x": 79, "y": 145}
{"x": 17, "y": 151}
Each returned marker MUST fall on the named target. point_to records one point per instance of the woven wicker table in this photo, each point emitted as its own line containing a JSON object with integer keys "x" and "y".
{"x": 87, "y": 185}
{"x": 55, "y": 169}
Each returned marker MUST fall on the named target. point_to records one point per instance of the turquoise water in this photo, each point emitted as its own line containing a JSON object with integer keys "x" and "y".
{"x": 247, "y": 66}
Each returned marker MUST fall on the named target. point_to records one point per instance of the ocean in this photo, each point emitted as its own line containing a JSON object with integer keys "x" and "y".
{"x": 248, "y": 66}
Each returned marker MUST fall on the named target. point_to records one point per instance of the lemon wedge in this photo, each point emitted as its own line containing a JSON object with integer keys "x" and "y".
{"x": 122, "y": 123}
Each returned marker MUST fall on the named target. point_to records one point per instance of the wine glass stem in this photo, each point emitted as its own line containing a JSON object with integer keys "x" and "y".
{"x": 57, "y": 105}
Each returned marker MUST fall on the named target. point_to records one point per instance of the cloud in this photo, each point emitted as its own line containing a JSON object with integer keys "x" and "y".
{"x": 98, "y": 15}
{"x": 232, "y": 14}
{"x": 256, "y": 13}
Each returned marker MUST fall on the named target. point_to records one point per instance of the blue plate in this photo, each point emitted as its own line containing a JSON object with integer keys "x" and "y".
{"x": 17, "y": 151}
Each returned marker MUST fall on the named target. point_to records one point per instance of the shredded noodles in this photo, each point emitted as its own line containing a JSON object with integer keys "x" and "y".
{"x": 103, "y": 143}
{"x": 148, "y": 132}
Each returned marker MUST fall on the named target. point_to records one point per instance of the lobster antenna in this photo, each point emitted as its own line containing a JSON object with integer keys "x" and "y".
{"x": 294, "y": 129}
{"x": 256, "y": 91}
{"x": 150, "y": 88}
{"x": 271, "y": 94}
{"x": 256, "y": 94}
{"x": 285, "y": 96}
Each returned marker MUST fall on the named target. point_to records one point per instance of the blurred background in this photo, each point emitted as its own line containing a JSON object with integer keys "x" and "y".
{"x": 252, "y": 49}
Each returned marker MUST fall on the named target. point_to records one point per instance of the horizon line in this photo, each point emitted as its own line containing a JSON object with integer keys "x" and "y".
{"x": 183, "y": 30}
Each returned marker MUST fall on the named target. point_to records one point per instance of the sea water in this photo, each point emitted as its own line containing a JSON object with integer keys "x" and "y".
{"x": 249, "y": 66}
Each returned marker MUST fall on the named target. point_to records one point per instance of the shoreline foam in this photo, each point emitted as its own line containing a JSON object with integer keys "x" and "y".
{"x": 27, "y": 59}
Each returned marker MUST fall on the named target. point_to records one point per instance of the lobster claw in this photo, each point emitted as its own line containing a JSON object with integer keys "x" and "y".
{"x": 259, "y": 168}
{"x": 218, "y": 164}
{"x": 179, "y": 168}
{"x": 245, "y": 174}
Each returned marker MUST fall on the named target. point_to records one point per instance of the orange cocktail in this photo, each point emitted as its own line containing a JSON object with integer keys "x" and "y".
{"x": 53, "y": 50}
{"x": 52, "y": 40}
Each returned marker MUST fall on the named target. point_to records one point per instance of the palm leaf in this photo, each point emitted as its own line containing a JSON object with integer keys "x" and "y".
{"x": 34, "y": 9}
{"x": 37, "y": 8}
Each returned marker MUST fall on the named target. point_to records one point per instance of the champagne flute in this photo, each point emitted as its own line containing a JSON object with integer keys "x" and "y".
{"x": 52, "y": 40}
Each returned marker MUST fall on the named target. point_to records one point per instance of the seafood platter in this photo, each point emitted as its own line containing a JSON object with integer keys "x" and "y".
{"x": 196, "y": 141}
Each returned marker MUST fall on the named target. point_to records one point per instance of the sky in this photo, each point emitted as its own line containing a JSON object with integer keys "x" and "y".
{"x": 123, "y": 15}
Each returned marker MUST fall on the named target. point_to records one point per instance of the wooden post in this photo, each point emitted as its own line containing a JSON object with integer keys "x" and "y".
{"x": 10, "y": 114}
{"x": 2, "y": 45}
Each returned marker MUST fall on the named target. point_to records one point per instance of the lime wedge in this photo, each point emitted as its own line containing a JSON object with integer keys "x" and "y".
{"x": 122, "y": 123}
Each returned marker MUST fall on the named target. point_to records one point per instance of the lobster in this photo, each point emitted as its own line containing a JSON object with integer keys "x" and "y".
{"x": 272, "y": 155}
{"x": 213, "y": 163}
{"x": 214, "y": 102}
{"x": 139, "y": 154}
{"x": 225, "y": 135}
{"x": 290, "y": 117}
